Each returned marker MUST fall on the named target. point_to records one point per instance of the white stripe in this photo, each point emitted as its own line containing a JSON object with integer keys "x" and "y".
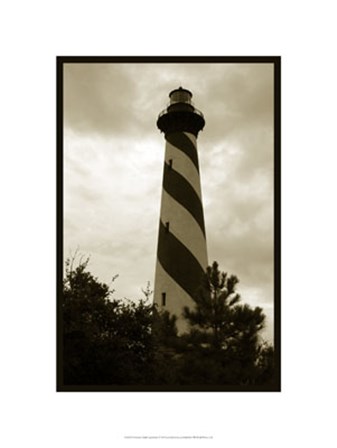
{"x": 184, "y": 227}
{"x": 184, "y": 166}
{"x": 176, "y": 297}
{"x": 192, "y": 137}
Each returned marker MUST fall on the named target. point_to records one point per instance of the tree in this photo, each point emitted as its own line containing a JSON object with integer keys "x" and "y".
{"x": 226, "y": 332}
{"x": 105, "y": 341}
{"x": 119, "y": 342}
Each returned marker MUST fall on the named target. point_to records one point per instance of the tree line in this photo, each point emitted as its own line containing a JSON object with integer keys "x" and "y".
{"x": 108, "y": 341}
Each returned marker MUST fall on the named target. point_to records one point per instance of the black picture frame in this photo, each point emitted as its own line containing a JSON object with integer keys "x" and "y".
{"x": 276, "y": 61}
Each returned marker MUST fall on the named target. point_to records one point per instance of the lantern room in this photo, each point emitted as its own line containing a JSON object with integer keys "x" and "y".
{"x": 180, "y": 96}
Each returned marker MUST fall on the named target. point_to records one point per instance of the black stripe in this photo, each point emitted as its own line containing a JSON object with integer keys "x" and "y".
{"x": 178, "y": 261}
{"x": 182, "y": 191}
{"x": 182, "y": 142}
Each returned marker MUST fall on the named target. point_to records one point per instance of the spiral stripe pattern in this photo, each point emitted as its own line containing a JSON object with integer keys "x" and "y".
{"x": 182, "y": 253}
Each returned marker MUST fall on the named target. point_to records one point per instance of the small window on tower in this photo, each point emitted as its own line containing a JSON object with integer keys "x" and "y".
{"x": 167, "y": 227}
{"x": 170, "y": 163}
{"x": 163, "y": 298}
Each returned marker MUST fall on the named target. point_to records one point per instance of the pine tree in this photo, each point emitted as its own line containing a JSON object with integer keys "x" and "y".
{"x": 227, "y": 331}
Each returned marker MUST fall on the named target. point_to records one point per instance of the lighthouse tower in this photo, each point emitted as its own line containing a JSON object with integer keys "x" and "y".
{"x": 182, "y": 252}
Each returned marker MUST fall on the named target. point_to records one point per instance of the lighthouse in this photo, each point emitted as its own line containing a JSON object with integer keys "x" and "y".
{"x": 182, "y": 251}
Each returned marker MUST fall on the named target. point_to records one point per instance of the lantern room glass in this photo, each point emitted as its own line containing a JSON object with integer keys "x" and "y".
{"x": 180, "y": 96}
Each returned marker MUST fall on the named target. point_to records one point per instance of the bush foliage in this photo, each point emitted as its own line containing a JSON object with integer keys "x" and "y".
{"x": 107, "y": 341}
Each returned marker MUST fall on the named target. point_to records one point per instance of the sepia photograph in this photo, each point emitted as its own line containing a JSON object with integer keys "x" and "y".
{"x": 168, "y": 223}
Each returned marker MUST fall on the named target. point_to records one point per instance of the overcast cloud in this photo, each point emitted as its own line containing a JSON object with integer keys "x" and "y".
{"x": 113, "y": 164}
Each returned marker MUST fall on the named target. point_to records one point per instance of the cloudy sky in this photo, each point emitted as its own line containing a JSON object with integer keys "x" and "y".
{"x": 113, "y": 164}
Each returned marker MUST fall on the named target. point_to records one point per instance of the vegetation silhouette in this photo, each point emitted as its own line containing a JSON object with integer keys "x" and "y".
{"x": 225, "y": 346}
{"x": 107, "y": 341}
